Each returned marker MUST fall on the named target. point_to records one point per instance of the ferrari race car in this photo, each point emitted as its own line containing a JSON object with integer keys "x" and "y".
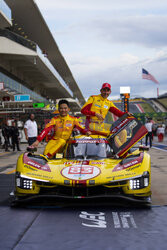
{"x": 91, "y": 167}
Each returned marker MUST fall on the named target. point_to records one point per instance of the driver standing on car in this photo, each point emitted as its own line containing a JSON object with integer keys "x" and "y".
{"x": 97, "y": 106}
{"x": 63, "y": 126}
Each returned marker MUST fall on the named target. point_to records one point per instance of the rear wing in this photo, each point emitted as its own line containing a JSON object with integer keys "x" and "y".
{"x": 125, "y": 132}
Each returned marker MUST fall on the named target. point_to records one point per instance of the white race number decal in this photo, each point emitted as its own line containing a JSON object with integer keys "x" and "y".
{"x": 80, "y": 172}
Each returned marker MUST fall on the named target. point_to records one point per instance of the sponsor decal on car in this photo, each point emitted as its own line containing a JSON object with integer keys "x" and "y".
{"x": 91, "y": 141}
{"x": 88, "y": 141}
{"x": 27, "y": 166}
{"x": 119, "y": 126}
{"x": 76, "y": 162}
{"x": 127, "y": 165}
{"x": 97, "y": 163}
{"x": 83, "y": 162}
{"x": 133, "y": 124}
{"x": 40, "y": 175}
{"x": 130, "y": 169}
{"x": 80, "y": 172}
{"x": 32, "y": 163}
{"x": 39, "y": 166}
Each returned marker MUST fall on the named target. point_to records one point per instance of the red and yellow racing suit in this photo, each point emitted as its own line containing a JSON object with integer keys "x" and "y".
{"x": 63, "y": 127}
{"x": 100, "y": 105}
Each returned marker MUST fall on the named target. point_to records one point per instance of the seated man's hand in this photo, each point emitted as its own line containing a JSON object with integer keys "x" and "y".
{"x": 99, "y": 116}
{"x": 35, "y": 144}
{"x": 88, "y": 133}
{"x": 31, "y": 149}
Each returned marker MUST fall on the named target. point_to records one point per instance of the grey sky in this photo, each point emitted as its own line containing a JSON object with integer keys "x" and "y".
{"x": 111, "y": 41}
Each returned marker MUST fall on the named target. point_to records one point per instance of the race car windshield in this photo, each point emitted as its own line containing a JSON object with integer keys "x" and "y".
{"x": 88, "y": 151}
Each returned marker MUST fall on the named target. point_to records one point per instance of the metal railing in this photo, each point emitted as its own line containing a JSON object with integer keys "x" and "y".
{"x": 18, "y": 39}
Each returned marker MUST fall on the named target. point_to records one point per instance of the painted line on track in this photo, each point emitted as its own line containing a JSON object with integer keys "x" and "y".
{"x": 11, "y": 172}
{"x": 161, "y": 147}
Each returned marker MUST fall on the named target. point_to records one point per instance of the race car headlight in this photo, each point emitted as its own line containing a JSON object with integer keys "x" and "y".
{"x": 134, "y": 184}
{"x": 139, "y": 183}
{"x": 146, "y": 178}
{"x": 23, "y": 183}
{"x": 27, "y": 184}
{"x": 146, "y": 182}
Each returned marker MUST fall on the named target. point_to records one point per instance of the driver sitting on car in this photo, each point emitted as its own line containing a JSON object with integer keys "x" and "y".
{"x": 63, "y": 125}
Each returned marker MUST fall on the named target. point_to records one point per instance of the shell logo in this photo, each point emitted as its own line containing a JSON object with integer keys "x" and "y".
{"x": 80, "y": 172}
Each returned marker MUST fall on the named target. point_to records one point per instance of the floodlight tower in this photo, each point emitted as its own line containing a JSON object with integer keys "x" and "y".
{"x": 125, "y": 95}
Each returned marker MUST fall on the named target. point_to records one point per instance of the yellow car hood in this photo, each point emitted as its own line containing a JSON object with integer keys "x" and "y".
{"x": 88, "y": 172}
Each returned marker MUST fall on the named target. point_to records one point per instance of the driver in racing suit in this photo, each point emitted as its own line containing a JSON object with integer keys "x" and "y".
{"x": 97, "y": 107}
{"x": 63, "y": 126}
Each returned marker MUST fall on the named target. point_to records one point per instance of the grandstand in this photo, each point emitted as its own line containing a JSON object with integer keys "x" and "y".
{"x": 30, "y": 60}
{"x": 156, "y": 108}
{"x": 163, "y": 100}
{"x": 136, "y": 105}
{"x": 133, "y": 107}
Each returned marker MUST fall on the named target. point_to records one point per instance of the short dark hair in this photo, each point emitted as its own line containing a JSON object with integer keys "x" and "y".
{"x": 63, "y": 102}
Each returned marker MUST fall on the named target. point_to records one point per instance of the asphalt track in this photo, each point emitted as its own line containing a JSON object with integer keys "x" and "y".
{"x": 83, "y": 228}
{"x": 88, "y": 226}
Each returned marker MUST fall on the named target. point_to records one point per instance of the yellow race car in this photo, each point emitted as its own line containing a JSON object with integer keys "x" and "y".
{"x": 90, "y": 167}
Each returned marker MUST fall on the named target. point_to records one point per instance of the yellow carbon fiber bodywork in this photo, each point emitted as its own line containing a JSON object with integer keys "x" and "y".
{"x": 63, "y": 172}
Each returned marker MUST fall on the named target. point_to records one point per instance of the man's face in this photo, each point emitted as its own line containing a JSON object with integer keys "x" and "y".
{"x": 105, "y": 92}
{"x": 32, "y": 117}
{"x": 64, "y": 109}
